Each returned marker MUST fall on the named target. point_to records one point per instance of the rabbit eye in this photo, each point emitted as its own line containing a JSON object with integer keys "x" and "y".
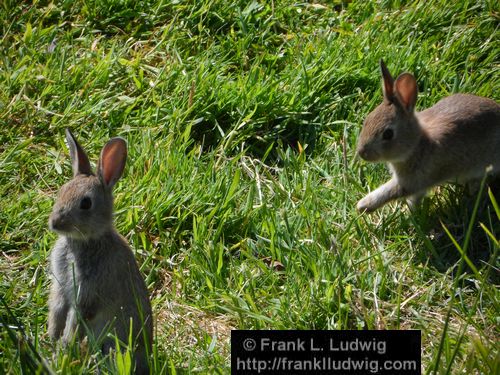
{"x": 85, "y": 203}
{"x": 388, "y": 134}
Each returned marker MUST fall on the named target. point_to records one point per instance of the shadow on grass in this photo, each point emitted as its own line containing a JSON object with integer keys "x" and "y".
{"x": 466, "y": 216}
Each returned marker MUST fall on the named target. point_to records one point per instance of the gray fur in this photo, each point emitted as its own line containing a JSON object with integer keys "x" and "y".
{"x": 96, "y": 283}
{"x": 458, "y": 139}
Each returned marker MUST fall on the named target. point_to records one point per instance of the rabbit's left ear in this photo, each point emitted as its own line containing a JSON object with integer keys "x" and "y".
{"x": 112, "y": 161}
{"x": 406, "y": 91}
{"x": 79, "y": 159}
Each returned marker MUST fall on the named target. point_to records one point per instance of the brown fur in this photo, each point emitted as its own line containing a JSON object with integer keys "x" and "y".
{"x": 456, "y": 139}
{"x": 96, "y": 284}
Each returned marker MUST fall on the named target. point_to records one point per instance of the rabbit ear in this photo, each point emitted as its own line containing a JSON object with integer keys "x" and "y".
{"x": 406, "y": 91}
{"x": 387, "y": 82}
{"x": 112, "y": 161}
{"x": 79, "y": 160}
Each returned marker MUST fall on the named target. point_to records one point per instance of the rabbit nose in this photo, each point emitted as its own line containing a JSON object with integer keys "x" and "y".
{"x": 53, "y": 223}
{"x": 56, "y": 220}
{"x": 363, "y": 153}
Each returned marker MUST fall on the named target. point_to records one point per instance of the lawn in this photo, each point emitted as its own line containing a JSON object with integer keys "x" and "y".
{"x": 240, "y": 189}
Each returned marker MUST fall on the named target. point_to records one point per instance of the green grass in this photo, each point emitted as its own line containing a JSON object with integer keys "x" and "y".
{"x": 241, "y": 121}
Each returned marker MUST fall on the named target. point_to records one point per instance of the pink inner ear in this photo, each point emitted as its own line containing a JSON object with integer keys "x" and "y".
{"x": 406, "y": 88}
{"x": 112, "y": 161}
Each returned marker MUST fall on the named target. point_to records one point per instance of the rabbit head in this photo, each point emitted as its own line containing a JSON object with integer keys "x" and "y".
{"x": 84, "y": 206}
{"x": 391, "y": 131}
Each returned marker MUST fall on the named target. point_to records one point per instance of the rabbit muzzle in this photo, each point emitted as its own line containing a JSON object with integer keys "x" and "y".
{"x": 367, "y": 154}
{"x": 59, "y": 223}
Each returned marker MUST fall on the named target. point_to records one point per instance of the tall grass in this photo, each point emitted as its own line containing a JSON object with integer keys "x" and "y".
{"x": 239, "y": 193}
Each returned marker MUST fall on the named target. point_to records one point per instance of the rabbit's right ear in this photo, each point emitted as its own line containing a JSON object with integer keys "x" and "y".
{"x": 79, "y": 159}
{"x": 387, "y": 82}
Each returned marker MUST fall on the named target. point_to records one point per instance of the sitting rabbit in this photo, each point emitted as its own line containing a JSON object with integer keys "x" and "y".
{"x": 457, "y": 139}
{"x": 96, "y": 285}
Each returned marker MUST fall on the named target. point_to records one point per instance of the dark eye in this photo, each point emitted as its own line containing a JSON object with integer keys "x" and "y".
{"x": 387, "y": 134}
{"x": 85, "y": 203}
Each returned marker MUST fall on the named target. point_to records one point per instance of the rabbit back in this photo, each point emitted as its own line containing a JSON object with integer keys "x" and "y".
{"x": 461, "y": 140}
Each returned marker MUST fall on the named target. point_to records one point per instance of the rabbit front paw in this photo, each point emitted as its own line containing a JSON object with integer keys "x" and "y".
{"x": 367, "y": 204}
